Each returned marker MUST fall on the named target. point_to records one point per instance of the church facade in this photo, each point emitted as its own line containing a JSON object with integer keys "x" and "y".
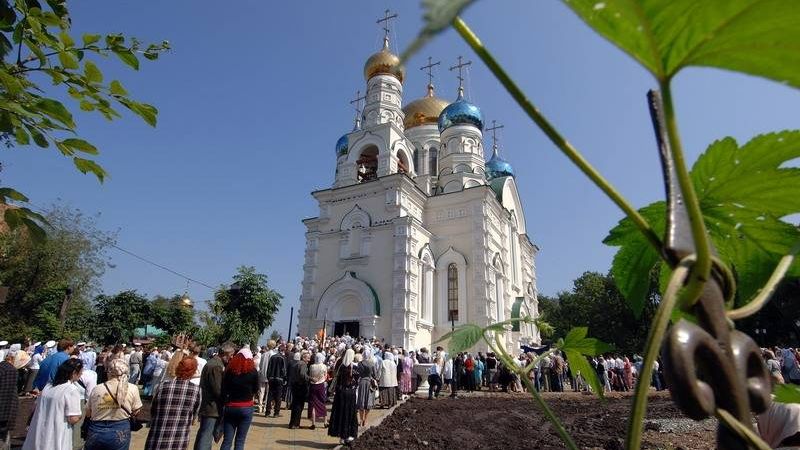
{"x": 418, "y": 233}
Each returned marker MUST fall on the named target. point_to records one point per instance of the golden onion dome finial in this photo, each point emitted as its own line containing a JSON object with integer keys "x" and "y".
{"x": 384, "y": 62}
{"x": 425, "y": 110}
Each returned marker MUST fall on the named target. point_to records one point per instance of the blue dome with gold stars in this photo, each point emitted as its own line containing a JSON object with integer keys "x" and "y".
{"x": 460, "y": 112}
{"x": 498, "y": 167}
{"x": 342, "y": 145}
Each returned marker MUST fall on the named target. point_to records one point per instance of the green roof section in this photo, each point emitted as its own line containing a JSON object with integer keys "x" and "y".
{"x": 374, "y": 294}
{"x": 515, "y": 312}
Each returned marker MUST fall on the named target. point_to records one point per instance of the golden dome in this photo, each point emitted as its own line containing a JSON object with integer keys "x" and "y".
{"x": 384, "y": 63}
{"x": 424, "y": 110}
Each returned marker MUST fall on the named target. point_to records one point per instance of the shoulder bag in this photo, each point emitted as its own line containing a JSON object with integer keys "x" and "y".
{"x": 136, "y": 425}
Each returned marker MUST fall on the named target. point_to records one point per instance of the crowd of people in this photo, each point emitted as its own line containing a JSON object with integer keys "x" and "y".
{"x": 90, "y": 398}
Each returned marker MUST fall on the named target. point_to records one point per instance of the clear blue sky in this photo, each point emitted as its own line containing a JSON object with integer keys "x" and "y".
{"x": 253, "y": 97}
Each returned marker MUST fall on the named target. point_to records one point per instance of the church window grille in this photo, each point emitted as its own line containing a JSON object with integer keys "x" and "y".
{"x": 452, "y": 292}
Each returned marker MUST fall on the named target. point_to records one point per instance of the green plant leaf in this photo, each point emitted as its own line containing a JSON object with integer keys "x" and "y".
{"x": 636, "y": 256}
{"x": 56, "y": 110}
{"x": 147, "y": 112}
{"x": 757, "y": 37}
{"x": 127, "y": 57}
{"x": 786, "y": 393}
{"x": 117, "y": 89}
{"x": 12, "y": 194}
{"x": 578, "y": 363}
{"x": 23, "y": 217}
{"x": 462, "y": 338}
{"x": 66, "y": 39}
{"x": 744, "y": 193}
{"x": 576, "y": 341}
{"x": 93, "y": 74}
{"x": 438, "y": 15}
{"x": 89, "y": 39}
{"x": 68, "y": 60}
{"x": 80, "y": 145}
{"x": 38, "y": 137}
{"x": 87, "y": 165}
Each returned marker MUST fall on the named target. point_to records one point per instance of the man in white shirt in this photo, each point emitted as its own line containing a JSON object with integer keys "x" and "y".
{"x": 85, "y": 384}
{"x": 434, "y": 379}
{"x": 263, "y": 381}
{"x": 195, "y": 352}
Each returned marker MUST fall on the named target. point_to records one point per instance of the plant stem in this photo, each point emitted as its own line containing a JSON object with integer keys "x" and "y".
{"x": 758, "y": 302}
{"x": 701, "y": 271}
{"x": 654, "y": 338}
{"x": 741, "y": 429}
{"x": 571, "y": 152}
{"x": 506, "y": 359}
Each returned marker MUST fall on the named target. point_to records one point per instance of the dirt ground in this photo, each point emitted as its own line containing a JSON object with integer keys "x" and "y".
{"x": 513, "y": 421}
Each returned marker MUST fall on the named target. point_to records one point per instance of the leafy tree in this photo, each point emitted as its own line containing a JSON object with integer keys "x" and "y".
{"x": 35, "y": 39}
{"x": 119, "y": 315}
{"x": 38, "y": 274}
{"x": 209, "y": 330}
{"x": 247, "y": 308}
{"x": 171, "y": 316}
{"x": 595, "y": 302}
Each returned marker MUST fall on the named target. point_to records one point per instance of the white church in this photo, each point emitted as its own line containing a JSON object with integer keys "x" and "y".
{"x": 418, "y": 233}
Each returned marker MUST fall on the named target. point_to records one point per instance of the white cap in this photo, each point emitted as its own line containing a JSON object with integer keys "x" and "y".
{"x": 50, "y": 344}
{"x": 2, "y": 343}
{"x": 37, "y": 343}
{"x": 80, "y": 344}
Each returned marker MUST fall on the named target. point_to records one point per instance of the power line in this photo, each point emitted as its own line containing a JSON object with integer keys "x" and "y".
{"x": 142, "y": 258}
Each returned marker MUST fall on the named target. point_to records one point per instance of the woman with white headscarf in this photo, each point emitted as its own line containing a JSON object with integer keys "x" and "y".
{"x": 317, "y": 393}
{"x": 388, "y": 381}
{"x": 344, "y": 422}
{"x": 109, "y": 409}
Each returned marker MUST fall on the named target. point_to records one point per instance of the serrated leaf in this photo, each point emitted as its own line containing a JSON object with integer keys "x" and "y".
{"x": 89, "y": 39}
{"x": 68, "y": 60}
{"x": 93, "y": 74}
{"x": 743, "y": 192}
{"x": 576, "y": 341}
{"x": 87, "y": 165}
{"x": 462, "y": 338}
{"x": 80, "y": 145}
{"x": 757, "y": 37}
{"x": 636, "y": 256}
{"x": 786, "y": 393}
{"x": 438, "y": 15}
{"x": 147, "y": 112}
{"x": 578, "y": 363}
{"x": 127, "y": 57}
{"x": 117, "y": 89}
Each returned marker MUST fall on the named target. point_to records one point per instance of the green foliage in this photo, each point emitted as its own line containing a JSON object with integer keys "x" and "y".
{"x": 577, "y": 347}
{"x": 37, "y": 273}
{"x": 750, "y": 36}
{"x": 595, "y": 302}
{"x": 786, "y": 393}
{"x": 35, "y": 39}
{"x": 743, "y": 192}
{"x": 463, "y": 337}
{"x": 438, "y": 16}
{"x": 119, "y": 315}
{"x": 171, "y": 316}
{"x": 246, "y": 310}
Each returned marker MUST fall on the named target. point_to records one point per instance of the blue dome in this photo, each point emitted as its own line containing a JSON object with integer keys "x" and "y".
{"x": 342, "y": 145}
{"x": 498, "y": 167}
{"x": 460, "y": 112}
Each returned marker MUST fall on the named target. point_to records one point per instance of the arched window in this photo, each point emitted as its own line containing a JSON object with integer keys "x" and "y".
{"x": 452, "y": 292}
{"x": 417, "y": 164}
{"x": 433, "y": 157}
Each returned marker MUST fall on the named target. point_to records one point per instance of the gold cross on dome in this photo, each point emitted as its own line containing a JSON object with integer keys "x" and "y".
{"x": 460, "y": 66}
{"x": 384, "y": 23}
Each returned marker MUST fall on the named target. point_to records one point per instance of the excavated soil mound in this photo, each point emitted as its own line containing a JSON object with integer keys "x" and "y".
{"x": 513, "y": 421}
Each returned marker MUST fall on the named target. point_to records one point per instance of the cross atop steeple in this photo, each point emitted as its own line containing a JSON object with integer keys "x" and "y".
{"x": 460, "y": 66}
{"x": 430, "y": 67}
{"x": 384, "y": 23}
{"x": 356, "y": 102}
{"x": 494, "y": 129}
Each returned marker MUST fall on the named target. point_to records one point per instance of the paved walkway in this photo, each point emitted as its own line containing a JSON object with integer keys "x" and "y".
{"x": 274, "y": 433}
